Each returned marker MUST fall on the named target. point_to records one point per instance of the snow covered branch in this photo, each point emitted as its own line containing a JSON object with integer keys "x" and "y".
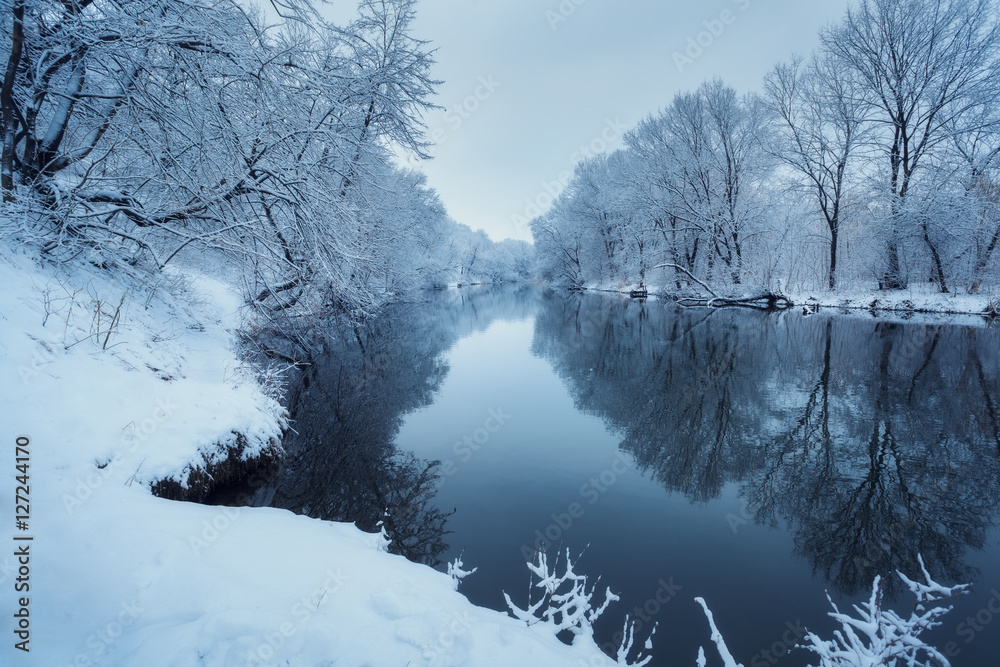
{"x": 566, "y": 604}
{"x": 878, "y": 636}
{"x": 456, "y": 572}
{"x": 875, "y": 636}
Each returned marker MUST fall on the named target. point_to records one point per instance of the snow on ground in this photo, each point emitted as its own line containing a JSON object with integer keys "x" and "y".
{"x": 919, "y": 298}
{"x": 120, "y": 577}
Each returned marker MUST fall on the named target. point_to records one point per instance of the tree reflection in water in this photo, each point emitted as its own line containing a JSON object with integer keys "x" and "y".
{"x": 341, "y": 462}
{"x": 873, "y": 441}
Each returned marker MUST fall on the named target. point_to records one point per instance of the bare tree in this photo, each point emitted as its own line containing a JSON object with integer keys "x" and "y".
{"x": 391, "y": 83}
{"x": 978, "y": 158}
{"x": 923, "y": 64}
{"x": 821, "y": 122}
{"x": 704, "y": 152}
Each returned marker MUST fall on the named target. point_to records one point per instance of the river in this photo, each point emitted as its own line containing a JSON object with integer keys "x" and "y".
{"x": 757, "y": 460}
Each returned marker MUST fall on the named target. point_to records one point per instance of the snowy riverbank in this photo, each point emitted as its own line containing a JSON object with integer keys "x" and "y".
{"x": 118, "y": 385}
{"x": 921, "y": 303}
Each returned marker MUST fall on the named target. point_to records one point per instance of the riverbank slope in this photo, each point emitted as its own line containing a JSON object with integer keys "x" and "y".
{"x": 115, "y": 384}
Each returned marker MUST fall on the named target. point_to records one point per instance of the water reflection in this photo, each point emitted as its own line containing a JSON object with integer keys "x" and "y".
{"x": 341, "y": 462}
{"x": 871, "y": 441}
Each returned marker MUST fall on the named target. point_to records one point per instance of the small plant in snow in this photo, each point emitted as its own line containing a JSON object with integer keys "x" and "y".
{"x": 720, "y": 643}
{"x": 876, "y": 636}
{"x": 456, "y": 572}
{"x": 566, "y": 604}
{"x": 882, "y": 637}
{"x": 383, "y": 536}
{"x": 270, "y": 378}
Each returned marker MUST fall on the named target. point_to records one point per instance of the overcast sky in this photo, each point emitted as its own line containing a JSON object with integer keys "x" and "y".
{"x": 553, "y": 77}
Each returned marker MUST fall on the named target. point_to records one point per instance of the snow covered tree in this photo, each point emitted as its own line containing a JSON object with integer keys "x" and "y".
{"x": 142, "y": 129}
{"x": 89, "y": 88}
{"x": 389, "y": 82}
{"x": 820, "y": 125}
{"x": 687, "y": 188}
{"x": 923, "y": 66}
{"x": 558, "y": 247}
{"x": 977, "y": 173}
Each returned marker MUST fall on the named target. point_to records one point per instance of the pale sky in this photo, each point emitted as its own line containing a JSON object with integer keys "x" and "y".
{"x": 553, "y": 77}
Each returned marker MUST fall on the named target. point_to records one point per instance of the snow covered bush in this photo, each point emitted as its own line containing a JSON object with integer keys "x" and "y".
{"x": 457, "y": 573}
{"x": 877, "y": 636}
{"x": 566, "y": 605}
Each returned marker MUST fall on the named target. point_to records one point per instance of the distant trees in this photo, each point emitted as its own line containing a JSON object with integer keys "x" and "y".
{"x": 472, "y": 258}
{"x": 558, "y": 248}
{"x": 882, "y": 145}
{"x": 687, "y": 187}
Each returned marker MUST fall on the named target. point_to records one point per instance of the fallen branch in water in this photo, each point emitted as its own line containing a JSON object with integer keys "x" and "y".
{"x": 766, "y": 301}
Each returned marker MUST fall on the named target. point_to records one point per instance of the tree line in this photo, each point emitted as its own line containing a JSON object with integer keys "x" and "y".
{"x": 871, "y": 162}
{"x": 137, "y": 132}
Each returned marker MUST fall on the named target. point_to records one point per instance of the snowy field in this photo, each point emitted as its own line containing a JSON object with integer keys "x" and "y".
{"x": 118, "y": 385}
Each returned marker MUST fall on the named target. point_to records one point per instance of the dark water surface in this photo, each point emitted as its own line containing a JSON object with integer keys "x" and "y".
{"x": 756, "y": 460}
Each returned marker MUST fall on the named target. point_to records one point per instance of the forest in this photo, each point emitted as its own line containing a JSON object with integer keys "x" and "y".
{"x": 869, "y": 163}
{"x": 135, "y": 133}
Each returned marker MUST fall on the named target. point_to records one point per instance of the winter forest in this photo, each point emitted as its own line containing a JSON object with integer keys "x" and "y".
{"x": 142, "y": 130}
{"x": 272, "y": 396}
{"x": 870, "y": 162}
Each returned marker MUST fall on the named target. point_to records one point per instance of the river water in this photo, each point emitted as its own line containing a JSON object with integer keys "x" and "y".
{"x": 757, "y": 460}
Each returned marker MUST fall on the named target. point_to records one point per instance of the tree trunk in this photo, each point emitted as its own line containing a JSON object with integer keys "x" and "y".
{"x": 893, "y": 278}
{"x": 7, "y": 101}
{"x": 834, "y": 233}
{"x": 938, "y": 268}
{"x": 983, "y": 262}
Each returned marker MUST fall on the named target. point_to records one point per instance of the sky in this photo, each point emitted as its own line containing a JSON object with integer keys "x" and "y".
{"x": 532, "y": 86}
